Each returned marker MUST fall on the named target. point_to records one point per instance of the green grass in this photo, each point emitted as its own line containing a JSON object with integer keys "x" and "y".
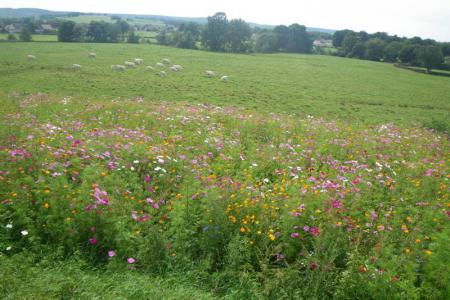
{"x": 35, "y": 37}
{"x": 85, "y": 19}
{"x": 330, "y": 87}
{"x": 23, "y": 278}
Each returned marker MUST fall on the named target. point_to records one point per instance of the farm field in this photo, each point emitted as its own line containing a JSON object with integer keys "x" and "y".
{"x": 35, "y": 37}
{"x": 325, "y": 86}
{"x": 302, "y": 177}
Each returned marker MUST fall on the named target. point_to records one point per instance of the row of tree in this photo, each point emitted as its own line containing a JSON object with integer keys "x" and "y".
{"x": 236, "y": 35}
{"x": 383, "y": 47}
{"x": 97, "y": 32}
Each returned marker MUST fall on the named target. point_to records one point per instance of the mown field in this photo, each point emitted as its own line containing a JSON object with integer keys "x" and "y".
{"x": 35, "y": 37}
{"x": 325, "y": 86}
{"x": 128, "y": 185}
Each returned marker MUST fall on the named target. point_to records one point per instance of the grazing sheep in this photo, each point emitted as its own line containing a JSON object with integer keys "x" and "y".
{"x": 174, "y": 69}
{"x": 166, "y": 61}
{"x": 76, "y": 67}
{"x": 162, "y": 74}
{"x": 129, "y": 64}
{"x": 224, "y": 78}
{"x": 92, "y": 55}
{"x": 138, "y": 61}
{"x": 118, "y": 67}
{"x": 160, "y": 65}
{"x": 149, "y": 68}
{"x": 209, "y": 73}
{"x": 31, "y": 57}
{"x": 179, "y": 67}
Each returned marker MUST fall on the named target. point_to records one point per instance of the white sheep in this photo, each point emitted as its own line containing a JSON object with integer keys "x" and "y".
{"x": 209, "y": 73}
{"x": 92, "y": 55}
{"x": 118, "y": 67}
{"x": 162, "y": 74}
{"x": 179, "y": 67}
{"x": 166, "y": 61}
{"x": 129, "y": 64}
{"x": 160, "y": 65}
{"x": 174, "y": 69}
{"x": 138, "y": 61}
{"x": 149, "y": 68}
{"x": 76, "y": 67}
{"x": 224, "y": 78}
{"x": 31, "y": 57}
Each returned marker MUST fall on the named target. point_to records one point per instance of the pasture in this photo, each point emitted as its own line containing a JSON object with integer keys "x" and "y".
{"x": 302, "y": 177}
{"x": 325, "y": 86}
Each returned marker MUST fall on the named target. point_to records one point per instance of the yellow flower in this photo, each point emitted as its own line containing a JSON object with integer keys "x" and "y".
{"x": 46, "y": 205}
{"x": 242, "y": 230}
{"x": 417, "y": 241}
{"x": 271, "y": 236}
{"x": 428, "y": 252}
{"x": 407, "y": 250}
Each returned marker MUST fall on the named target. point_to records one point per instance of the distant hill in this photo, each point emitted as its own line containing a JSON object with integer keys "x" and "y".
{"x": 37, "y": 13}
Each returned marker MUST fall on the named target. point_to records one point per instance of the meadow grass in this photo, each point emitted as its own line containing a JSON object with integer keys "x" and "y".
{"x": 332, "y": 87}
{"x": 35, "y": 37}
{"x": 129, "y": 185}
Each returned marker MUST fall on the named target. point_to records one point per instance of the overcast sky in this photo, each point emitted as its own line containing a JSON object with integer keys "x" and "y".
{"x": 427, "y": 19}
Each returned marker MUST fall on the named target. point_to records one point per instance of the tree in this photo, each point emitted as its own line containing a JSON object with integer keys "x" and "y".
{"x": 25, "y": 35}
{"x": 392, "y": 51}
{"x": 238, "y": 35}
{"x": 299, "y": 40}
{"x": 162, "y": 38}
{"x": 375, "y": 49}
{"x": 215, "y": 33}
{"x": 11, "y": 38}
{"x": 102, "y": 32}
{"x": 407, "y": 54}
{"x": 339, "y": 36}
{"x": 267, "y": 42}
{"x": 122, "y": 27}
{"x": 358, "y": 50}
{"x": 430, "y": 57}
{"x": 68, "y": 32}
{"x": 282, "y": 34}
{"x": 133, "y": 38}
{"x": 350, "y": 40}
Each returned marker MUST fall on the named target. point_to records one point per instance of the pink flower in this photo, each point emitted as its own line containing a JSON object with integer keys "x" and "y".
{"x": 111, "y": 253}
{"x": 313, "y": 266}
{"x": 306, "y": 228}
{"x": 294, "y": 235}
{"x": 93, "y": 241}
{"x": 314, "y": 231}
{"x": 147, "y": 178}
{"x": 337, "y": 203}
{"x": 131, "y": 260}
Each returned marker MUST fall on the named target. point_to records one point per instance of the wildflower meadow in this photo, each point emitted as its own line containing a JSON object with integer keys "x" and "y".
{"x": 243, "y": 204}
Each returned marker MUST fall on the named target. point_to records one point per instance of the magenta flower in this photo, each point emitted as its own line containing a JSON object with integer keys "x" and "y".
{"x": 314, "y": 231}
{"x": 294, "y": 235}
{"x": 306, "y": 228}
{"x": 147, "y": 178}
{"x": 337, "y": 203}
{"x": 111, "y": 253}
{"x": 313, "y": 266}
{"x": 131, "y": 260}
{"x": 93, "y": 241}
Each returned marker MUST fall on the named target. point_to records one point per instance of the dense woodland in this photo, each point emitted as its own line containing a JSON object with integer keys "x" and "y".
{"x": 235, "y": 35}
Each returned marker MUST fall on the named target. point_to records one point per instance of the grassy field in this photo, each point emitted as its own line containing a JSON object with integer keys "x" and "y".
{"x": 325, "y": 86}
{"x": 85, "y": 19}
{"x": 35, "y": 37}
{"x": 128, "y": 185}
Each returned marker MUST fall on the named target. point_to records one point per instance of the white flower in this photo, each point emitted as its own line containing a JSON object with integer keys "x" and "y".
{"x": 24, "y": 232}
{"x": 132, "y": 168}
{"x": 9, "y": 226}
{"x": 136, "y": 161}
{"x": 266, "y": 180}
{"x": 8, "y": 248}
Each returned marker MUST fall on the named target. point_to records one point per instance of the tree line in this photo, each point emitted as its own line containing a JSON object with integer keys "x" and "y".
{"x": 383, "y": 47}
{"x": 236, "y": 35}
{"x": 97, "y": 32}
